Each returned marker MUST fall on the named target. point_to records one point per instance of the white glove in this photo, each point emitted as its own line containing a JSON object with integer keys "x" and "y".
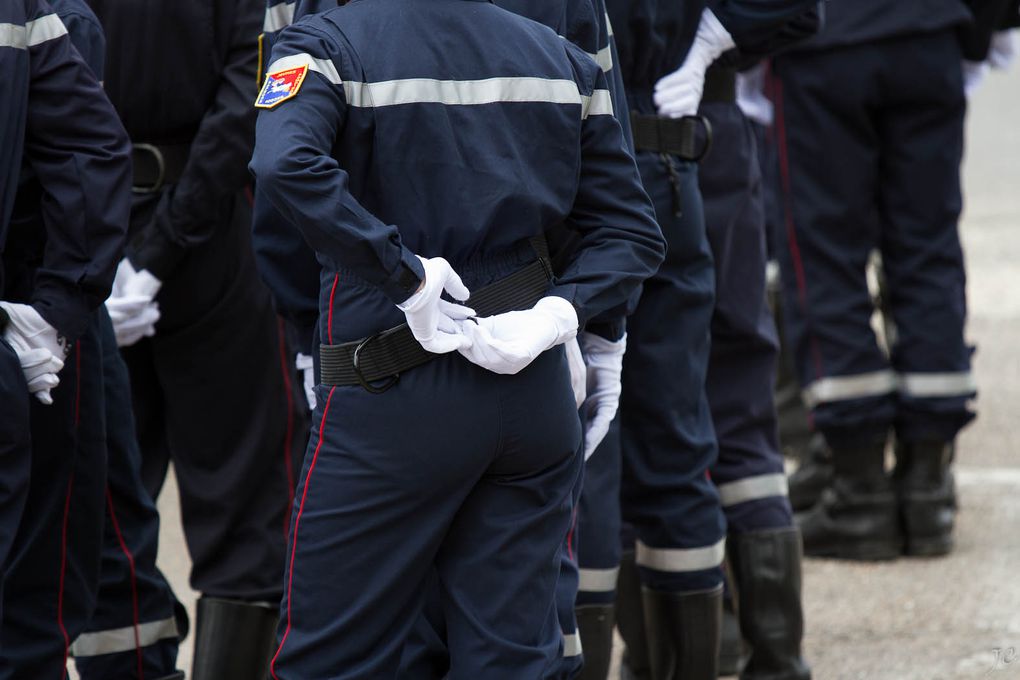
{"x": 306, "y": 367}
{"x": 1002, "y": 50}
{"x": 132, "y": 306}
{"x": 679, "y": 93}
{"x": 507, "y": 343}
{"x": 605, "y": 368}
{"x": 578, "y": 371}
{"x": 39, "y": 347}
{"x": 751, "y": 96}
{"x": 433, "y": 321}
{"x": 973, "y": 75}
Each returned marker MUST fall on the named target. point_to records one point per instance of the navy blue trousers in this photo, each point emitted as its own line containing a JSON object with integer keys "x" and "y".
{"x": 214, "y": 391}
{"x": 666, "y": 428}
{"x": 15, "y": 453}
{"x": 870, "y": 141}
{"x": 741, "y": 370}
{"x": 456, "y": 472}
{"x": 132, "y": 633}
{"x": 53, "y": 565}
{"x": 597, "y": 542}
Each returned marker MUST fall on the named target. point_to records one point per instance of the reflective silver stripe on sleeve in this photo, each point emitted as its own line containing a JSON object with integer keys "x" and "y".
{"x": 118, "y": 640}
{"x": 278, "y": 17}
{"x": 571, "y": 645}
{"x": 928, "y": 385}
{"x": 753, "y": 489}
{"x": 324, "y": 67}
{"x": 48, "y": 27}
{"x": 13, "y": 35}
{"x": 597, "y": 580}
{"x": 599, "y": 104}
{"x": 843, "y": 387}
{"x": 609, "y": 25}
{"x": 681, "y": 559}
{"x": 462, "y": 92}
{"x": 604, "y": 58}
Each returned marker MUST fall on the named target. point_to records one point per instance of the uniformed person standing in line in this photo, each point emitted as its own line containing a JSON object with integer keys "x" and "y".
{"x": 881, "y": 89}
{"x": 208, "y": 389}
{"x": 65, "y": 161}
{"x": 520, "y": 138}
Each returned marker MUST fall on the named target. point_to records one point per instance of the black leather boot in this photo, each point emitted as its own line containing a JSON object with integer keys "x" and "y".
{"x": 233, "y": 640}
{"x": 767, "y": 576}
{"x": 179, "y": 675}
{"x": 814, "y": 474}
{"x": 731, "y": 647}
{"x": 595, "y": 626}
{"x": 683, "y": 633}
{"x": 856, "y": 517}
{"x": 630, "y": 621}
{"x": 927, "y": 496}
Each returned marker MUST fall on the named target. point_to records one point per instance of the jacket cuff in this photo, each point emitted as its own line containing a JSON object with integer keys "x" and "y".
{"x": 63, "y": 307}
{"x": 611, "y": 330}
{"x": 405, "y": 278}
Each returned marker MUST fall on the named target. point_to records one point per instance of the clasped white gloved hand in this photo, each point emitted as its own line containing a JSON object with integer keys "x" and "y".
{"x": 507, "y": 343}
{"x": 1002, "y": 50}
{"x": 974, "y": 73}
{"x": 305, "y": 366}
{"x": 605, "y": 369}
{"x": 679, "y": 93}
{"x": 132, "y": 306}
{"x": 39, "y": 347}
{"x": 578, "y": 371}
{"x": 434, "y": 321}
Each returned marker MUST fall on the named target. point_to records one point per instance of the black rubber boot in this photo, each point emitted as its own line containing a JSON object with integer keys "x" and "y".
{"x": 683, "y": 633}
{"x": 814, "y": 474}
{"x": 766, "y": 572}
{"x": 630, "y": 621}
{"x": 179, "y": 675}
{"x": 731, "y": 647}
{"x": 595, "y": 626}
{"x": 856, "y": 518}
{"x": 927, "y": 496}
{"x": 233, "y": 640}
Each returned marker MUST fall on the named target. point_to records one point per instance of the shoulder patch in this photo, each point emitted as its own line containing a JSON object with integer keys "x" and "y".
{"x": 281, "y": 86}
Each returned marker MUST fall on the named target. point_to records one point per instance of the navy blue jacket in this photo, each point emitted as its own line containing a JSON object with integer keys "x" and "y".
{"x": 183, "y": 72}
{"x": 852, "y": 22}
{"x": 289, "y": 266}
{"x": 65, "y": 188}
{"x": 471, "y": 128}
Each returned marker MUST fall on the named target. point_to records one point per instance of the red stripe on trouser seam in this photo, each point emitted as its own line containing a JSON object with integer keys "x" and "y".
{"x": 287, "y": 459}
{"x": 297, "y": 524}
{"x": 570, "y": 534}
{"x": 329, "y": 318}
{"x": 791, "y": 230}
{"x": 134, "y": 584}
{"x": 67, "y": 509}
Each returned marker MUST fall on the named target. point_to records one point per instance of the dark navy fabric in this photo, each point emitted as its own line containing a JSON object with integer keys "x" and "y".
{"x": 896, "y": 124}
{"x": 53, "y": 568}
{"x": 132, "y": 593}
{"x": 598, "y": 523}
{"x": 860, "y": 21}
{"x": 15, "y": 452}
{"x": 62, "y": 139}
{"x": 741, "y": 369}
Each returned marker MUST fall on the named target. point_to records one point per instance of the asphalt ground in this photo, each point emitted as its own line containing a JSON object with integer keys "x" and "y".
{"x": 912, "y": 619}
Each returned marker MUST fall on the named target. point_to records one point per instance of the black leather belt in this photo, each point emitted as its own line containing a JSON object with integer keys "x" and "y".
{"x": 389, "y": 353}
{"x": 156, "y": 165}
{"x": 689, "y": 137}
{"x": 720, "y": 86}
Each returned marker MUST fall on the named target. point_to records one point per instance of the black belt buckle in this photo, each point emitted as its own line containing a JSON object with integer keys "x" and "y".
{"x": 160, "y": 169}
{"x": 369, "y": 387}
{"x": 696, "y": 156}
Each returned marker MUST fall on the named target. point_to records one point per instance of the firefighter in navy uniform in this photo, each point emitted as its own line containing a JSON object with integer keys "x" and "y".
{"x": 208, "y": 390}
{"x": 882, "y": 89}
{"x": 64, "y": 210}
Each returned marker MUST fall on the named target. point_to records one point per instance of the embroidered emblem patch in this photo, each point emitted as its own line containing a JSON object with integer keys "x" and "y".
{"x": 281, "y": 86}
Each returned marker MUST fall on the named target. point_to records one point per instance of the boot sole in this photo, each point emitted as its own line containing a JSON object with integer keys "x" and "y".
{"x": 858, "y": 552}
{"x": 935, "y": 546}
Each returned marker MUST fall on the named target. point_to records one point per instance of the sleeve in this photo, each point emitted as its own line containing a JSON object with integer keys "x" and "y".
{"x": 87, "y": 37}
{"x": 188, "y": 214}
{"x": 989, "y": 16}
{"x": 78, "y": 150}
{"x": 296, "y": 172}
{"x": 754, "y": 22}
{"x": 620, "y": 242}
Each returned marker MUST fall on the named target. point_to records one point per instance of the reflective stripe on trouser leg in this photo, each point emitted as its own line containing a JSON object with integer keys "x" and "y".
{"x": 598, "y": 523}
{"x": 127, "y": 639}
{"x": 667, "y": 436}
{"x": 680, "y": 560}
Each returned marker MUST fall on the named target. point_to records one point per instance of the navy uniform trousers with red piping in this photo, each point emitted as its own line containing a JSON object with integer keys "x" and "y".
{"x": 15, "y": 451}
{"x": 234, "y": 458}
{"x": 874, "y": 164}
{"x": 53, "y": 566}
{"x": 741, "y": 369}
{"x": 132, "y": 632}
